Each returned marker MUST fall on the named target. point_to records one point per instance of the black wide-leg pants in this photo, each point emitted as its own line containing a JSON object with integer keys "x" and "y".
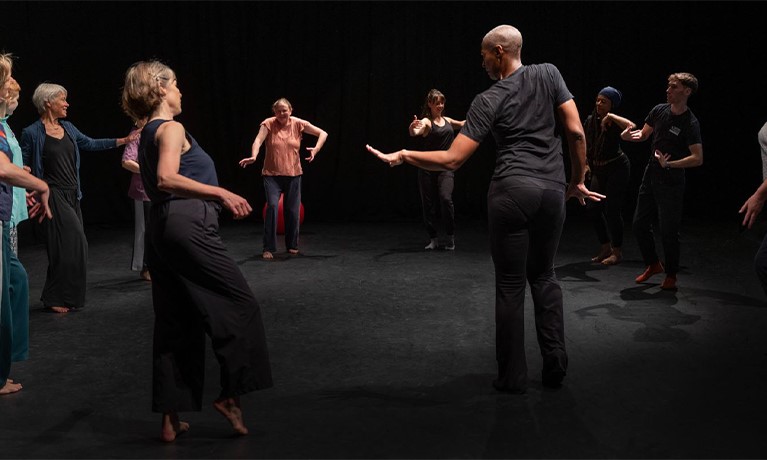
{"x": 526, "y": 216}
{"x": 198, "y": 289}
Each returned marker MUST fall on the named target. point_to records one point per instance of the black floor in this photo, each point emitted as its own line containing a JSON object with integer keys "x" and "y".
{"x": 382, "y": 350}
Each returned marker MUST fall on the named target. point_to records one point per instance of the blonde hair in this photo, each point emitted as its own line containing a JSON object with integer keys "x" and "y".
{"x": 6, "y": 66}
{"x": 13, "y": 88}
{"x": 141, "y": 93}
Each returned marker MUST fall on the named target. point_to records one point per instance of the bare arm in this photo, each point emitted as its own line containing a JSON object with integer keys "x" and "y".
{"x": 455, "y": 124}
{"x": 131, "y": 166}
{"x": 622, "y": 123}
{"x": 18, "y": 177}
{"x": 420, "y": 127}
{"x": 636, "y": 135}
{"x": 256, "y": 147}
{"x": 753, "y": 205}
{"x": 171, "y": 140}
{"x": 576, "y": 142}
{"x": 439, "y": 160}
{"x": 322, "y": 136}
{"x": 695, "y": 158}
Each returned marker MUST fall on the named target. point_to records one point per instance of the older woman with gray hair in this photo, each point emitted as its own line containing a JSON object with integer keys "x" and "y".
{"x": 51, "y": 148}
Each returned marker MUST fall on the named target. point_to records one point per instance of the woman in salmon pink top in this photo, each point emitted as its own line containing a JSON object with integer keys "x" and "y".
{"x": 282, "y": 171}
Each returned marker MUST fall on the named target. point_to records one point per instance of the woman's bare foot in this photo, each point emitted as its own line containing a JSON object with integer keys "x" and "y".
{"x": 172, "y": 427}
{"x": 267, "y": 255}
{"x": 230, "y": 408}
{"x": 58, "y": 309}
{"x": 604, "y": 252}
{"x": 614, "y": 258}
{"x": 10, "y": 387}
{"x": 144, "y": 275}
{"x": 293, "y": 251}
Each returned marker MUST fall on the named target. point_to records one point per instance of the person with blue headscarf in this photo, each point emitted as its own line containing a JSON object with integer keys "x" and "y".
{"x": 610, "y": 171}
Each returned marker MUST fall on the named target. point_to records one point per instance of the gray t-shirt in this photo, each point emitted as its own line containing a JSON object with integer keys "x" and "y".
{"x": 521, "y": 112}
{"x": 763, "y": 144}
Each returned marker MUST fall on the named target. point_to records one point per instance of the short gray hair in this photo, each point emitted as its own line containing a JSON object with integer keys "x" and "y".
{"x": 46, "y": 92}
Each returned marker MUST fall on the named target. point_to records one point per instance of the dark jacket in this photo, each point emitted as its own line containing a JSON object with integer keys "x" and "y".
{"x": 33, "y": 140}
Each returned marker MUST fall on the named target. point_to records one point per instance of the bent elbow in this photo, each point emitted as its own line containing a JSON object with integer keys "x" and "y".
{"x": 453, "y": 165}
{"x": 163, "y": 183}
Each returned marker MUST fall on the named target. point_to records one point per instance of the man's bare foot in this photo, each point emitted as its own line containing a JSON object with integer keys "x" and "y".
{"x": 230, "y": 408}
{"x": 293, "y": 251}
{"x": 172, "y": 427}
{"x": 615, "y": 258}
{"x": 60, "y": 309}
{"x": 10, "y": 387}
{"x": 604, "y": 252}
{"x": 267, "y": 255}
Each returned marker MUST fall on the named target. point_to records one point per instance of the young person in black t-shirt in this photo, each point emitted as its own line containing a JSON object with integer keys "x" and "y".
{"x": 676, "y": 145}
{"x": 526, "y": 199}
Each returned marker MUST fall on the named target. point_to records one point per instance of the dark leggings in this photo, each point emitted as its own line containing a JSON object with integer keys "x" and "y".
{"x": 436, "y": 189}
{"x": 760, "y": 264}
{"x": 612, "y": 180}
{"x": 525, "y": 226}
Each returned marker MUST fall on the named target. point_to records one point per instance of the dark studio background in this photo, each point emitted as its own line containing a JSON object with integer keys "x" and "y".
{"x": 360, "y": 70}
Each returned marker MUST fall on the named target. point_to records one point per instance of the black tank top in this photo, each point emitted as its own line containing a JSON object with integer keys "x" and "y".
{"x": 440, "y": 137}
{"x": 195, "y": 164}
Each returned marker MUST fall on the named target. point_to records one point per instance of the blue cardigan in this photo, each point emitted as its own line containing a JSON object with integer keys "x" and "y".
{"x": 33, "y": 140}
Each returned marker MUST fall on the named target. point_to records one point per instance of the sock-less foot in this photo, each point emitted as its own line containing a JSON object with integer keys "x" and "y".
{"x": 59, "y": 309}
{"x": 293, "y": 251}
{"x": 230, "y": 408}
{"x": 172, "y": 427}
{"x": 433, "y": 244}
{"x": 10, "y": 387}
{"x": 604, "y": 253}
{"x": 267, "y": 255}
{"x": 615, "y": 257}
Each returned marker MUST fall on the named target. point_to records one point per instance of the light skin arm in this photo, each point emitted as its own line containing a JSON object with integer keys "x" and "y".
{"x": 576, "y": 142}
{"x": 637, "y": 135}
{"x": 171, "y": 141}
{"x": 694, "y": 159}
{"x": 256, "y": 147}
{"x": 18, "y": 177}
{"x": 455, "y": 124}
{"x": 134, "y": 136}
{"x": 322, "y": 136}
{"x": 131, "y": 166}
{"x": 420, "y": 127}
{"x": 753, "y": 205}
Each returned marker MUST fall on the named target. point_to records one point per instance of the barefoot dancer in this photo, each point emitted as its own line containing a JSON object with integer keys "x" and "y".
{"x": 610, "y": 173}
{"x": 14, "y": 294}
{"x": 282, "y": 171}
{"x": 196, "y": 287}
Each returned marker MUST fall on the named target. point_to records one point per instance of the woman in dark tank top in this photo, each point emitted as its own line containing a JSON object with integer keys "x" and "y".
{"x": 436, "y": 132}
{"x": 196, "y": 286}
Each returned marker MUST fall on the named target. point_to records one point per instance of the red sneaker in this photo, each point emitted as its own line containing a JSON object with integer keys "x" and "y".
{"x": 651, "y": 270}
